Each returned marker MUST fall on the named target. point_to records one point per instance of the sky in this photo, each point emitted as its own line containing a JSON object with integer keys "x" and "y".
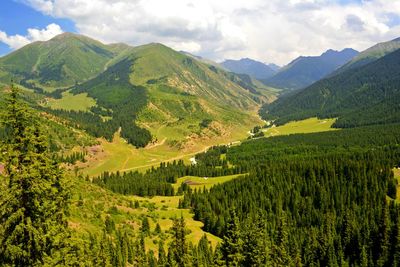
{"x": 271, "y": 31}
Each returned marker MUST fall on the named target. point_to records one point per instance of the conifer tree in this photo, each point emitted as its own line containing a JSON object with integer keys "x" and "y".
{"x": 33, "y": 227}
{"x": 218, "y": 259}
{"x": 232, "y": 243}
{"x": 179, "y": 246}
{"x": 396, "y": 256}
{"x": 161, "y": 254}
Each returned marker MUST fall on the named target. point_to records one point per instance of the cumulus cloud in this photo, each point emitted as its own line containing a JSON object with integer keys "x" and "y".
{"x": 17, "y": 41}
{"x": 272, "y": 31}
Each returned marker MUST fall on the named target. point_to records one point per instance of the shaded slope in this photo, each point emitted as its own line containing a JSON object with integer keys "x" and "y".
{"x": 371, "y": 54}
{"x": 361, "y": 96}
{"x": 304, "y": 71}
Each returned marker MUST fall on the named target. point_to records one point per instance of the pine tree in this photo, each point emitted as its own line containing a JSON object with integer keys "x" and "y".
{"x": 232, "y": 243}
{"x": 281, "y": 256}
{"x": 255, "y": 248}
{"x": 145, "y": 228}
{"x": 161, "y": 254}
{"x": 33, "y": 227}
{"x": 179, "y": 246}
{"x": 218, "y": 259}
{"x": 396, "y": 256}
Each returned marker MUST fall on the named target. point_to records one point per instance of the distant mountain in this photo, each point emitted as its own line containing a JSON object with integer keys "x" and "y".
{"x": 251, "y": 67}
{"x": 371, "y": 54}
{"x": 62, "y": 61}
{"x": 360, "y": 96}
{"x": 304, "y": 71}
{"x": 138, "y": 90}
{"x": 274, "y": 67}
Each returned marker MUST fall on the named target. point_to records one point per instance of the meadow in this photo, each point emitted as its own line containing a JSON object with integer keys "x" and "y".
{"x": 311, "y": 125}
{"x": 79, "y": 102}
{"x": 118, "y": 155}
{"x": 91, "y": 205}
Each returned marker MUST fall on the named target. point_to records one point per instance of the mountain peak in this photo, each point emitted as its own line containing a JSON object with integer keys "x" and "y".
{"x": 303, "y": 71}
{"x": 66, "y": 35}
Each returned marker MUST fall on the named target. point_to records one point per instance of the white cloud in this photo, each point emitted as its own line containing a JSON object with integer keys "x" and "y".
{"x": 17, "y": 41}
{"x": 271, "y": 31}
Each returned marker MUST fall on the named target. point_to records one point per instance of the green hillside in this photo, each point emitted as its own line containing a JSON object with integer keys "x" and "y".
{"x": 371, "y": 54}
{"x": 362, "y": 96}
{"x": 62, "y": 61}
{"x": 160, "y": 88}
{"x": 149, "y": 93}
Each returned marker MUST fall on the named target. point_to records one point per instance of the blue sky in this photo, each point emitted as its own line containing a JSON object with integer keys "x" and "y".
{"x": 273, "y": 31}
{"x": 16, "y": 17}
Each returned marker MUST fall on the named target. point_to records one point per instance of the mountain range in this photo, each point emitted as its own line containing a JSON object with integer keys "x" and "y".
{"x": 371, "y": 54}
{"x": 360, "y": 95}
{"x": 138, "y": 89}
{"x": 251, "y": 67}
{"x": 303, "y": 71}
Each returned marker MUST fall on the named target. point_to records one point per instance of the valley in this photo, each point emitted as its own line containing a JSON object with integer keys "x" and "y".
{"x": 147, "y": 156}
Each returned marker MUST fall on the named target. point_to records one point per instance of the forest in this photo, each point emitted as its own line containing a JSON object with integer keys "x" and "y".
{"x": 321, "y": 199}
{"x": 357, "y": 97}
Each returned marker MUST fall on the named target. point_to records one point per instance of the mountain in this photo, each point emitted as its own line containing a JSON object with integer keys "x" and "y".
{"x": 157, "y": 86}
{"x": 304, "y": 71}
{"x": 60, "y": 62}
{"x": 250, "y": 67}
{"x": 274, "y": 67}
{"x": 360, "y": 96}
{"x": 371, "y": 54}
{"x": 138, "y": 91}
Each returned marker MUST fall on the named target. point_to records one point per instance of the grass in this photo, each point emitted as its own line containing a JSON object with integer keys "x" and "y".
{"x": 311, "y": 125}
{"x": 79, "y": 102}
{"x": 120, "y": 156}
{"x": 196, "y": 182}
{"x": 91, "y": 205}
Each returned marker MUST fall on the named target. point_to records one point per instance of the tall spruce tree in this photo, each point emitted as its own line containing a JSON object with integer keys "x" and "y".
{"x": 179, "y": 247}
{"x": 32, "y": 224}
{"x": 232, "y": 243}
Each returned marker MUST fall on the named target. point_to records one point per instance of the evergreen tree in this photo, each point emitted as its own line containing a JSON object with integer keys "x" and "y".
{"x": 33, "y": 227}
{"x": 255, "y": 249}
{"x": 232, "y": 243}
{"x": 281, "y": 256}
{"x": 145, "y": 228}
{"x": 218, "y": 259}
{"x": 396, "y": 256}
{"x": 161, "y": 254}
{"x": 179, "y": 247}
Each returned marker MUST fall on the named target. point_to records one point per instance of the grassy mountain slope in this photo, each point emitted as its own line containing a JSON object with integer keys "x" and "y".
{"x": 146, "y": 92}
{"x": 304, "y": 71}
{"x": 62, "y": 61}
{"x": 371, "y": 54}
{"x": 361, "y": 96}
{"x": 160, "y": 88}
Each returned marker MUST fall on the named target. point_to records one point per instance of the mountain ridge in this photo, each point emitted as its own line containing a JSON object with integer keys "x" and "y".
{"x": 250, "y": 67}
{"x": 138, "y": 89}
{"x": 360, "y": 96}
{"x": 305, "y": 70}
{"x": 371, "y": 54}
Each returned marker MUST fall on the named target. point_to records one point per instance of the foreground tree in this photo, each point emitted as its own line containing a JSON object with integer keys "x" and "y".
{"x": 32, "y": 200}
